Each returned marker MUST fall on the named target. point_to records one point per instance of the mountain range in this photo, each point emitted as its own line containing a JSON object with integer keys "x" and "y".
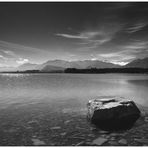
{"x": 61, "y": 65}
{"x": 55, "y": 65}
{"x": 139, "y": 63}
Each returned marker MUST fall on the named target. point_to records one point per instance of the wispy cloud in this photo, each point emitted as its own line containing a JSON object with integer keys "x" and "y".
{"x": 127, "y": 53}
{"x": 95, "y": 37}
{"x": 136, "y": 27}
{"x": 2, "y": 57}
{"x": 89, "y": 39}
{"x": 136, "y": 46}
{"x": 8, "y": 47}
{"x": 121, "y": 58}
{"x": 71, "y": 36}
{"x": 10, "y": 53}
{"x": 83, "y": 35}
{"x": 15, "y": 54}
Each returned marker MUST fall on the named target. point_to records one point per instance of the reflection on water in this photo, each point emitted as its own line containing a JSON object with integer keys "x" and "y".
{"x": 10, "y": 75}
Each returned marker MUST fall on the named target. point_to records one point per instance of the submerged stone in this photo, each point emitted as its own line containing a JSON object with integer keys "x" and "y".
{"x": 68, "y": 121}
{"x": 99, "y": 141}
{"x": 38, "y": 142}
{"x": 123, "y": 141}
{"x": 63, "y": 134}
{"x": 80, "y": 143}
{"x": 113, "y": 113}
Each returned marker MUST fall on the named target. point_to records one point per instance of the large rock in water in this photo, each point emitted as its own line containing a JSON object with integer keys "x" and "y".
{"x": 113, "y": 113}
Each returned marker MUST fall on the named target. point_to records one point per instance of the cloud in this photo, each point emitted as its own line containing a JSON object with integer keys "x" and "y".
{"x": 89, "y": 40}
{"x": 137, "y": 49}
{"x": 2, "y": 57}
{"x": 83, "y": 35}
{"x": 10, "y": 53}
{"x": 13, "y": 52}
{"x": 94, "y": 59}
{"x": 109, "y": 55}
{"x": 136, "y": 45}
{"x": 118, "y": 55}
{"x": 136, "y": 27}
{"x": 104, "y": 42}
{"x": 71, "y": 36}
{"x": 119, "y": 63}
{"x": 17, "y": 49}
{"x": 96, "y": 36}
{"x": 22, "y": 61}
{"x": 124, "y": 56}
{"x": 127, "y": 53}
{"x": 88, "y": 37}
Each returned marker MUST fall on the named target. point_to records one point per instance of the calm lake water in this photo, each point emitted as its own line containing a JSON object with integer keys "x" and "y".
{"x": 21, "y": 89}
{"x": 48, "y": 109}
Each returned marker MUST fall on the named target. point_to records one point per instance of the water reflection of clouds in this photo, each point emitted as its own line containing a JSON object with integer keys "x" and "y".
{"x": 14, "y": 75}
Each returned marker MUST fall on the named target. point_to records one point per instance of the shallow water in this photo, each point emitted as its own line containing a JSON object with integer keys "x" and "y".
{"x": 32, "y": 88}
{"x": 38, "y": 109}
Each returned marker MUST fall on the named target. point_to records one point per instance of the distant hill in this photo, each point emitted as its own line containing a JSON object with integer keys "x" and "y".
{"x": 99, "y": 64}
{"x": 49, "y": 68}
{"x": 61, "y": 65}
{"x": 77, "y": 64}
{"x": 27, "y": 66}
{"x": 139, "y": 63}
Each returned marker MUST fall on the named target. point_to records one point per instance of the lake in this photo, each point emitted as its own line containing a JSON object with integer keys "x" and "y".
{"x": 32, "y": 88}
{"x": 42, "y": 109}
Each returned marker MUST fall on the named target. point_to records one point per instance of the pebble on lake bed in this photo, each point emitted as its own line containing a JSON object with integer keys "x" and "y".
{"x": 99, "y": 141}
{"x": 63, "y": 134}
{"x": 68, "y": 121}
{"x": 80, "y": 143}
{"x": 38, "y": 142}
{"x": 122, "y": 141}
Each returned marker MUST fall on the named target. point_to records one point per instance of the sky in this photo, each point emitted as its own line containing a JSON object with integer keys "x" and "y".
{"x": 36, "y": 32}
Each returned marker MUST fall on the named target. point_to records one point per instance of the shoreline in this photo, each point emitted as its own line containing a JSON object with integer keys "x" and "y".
{"x": 87, "y": 71}
{"x": 42, "y": 125}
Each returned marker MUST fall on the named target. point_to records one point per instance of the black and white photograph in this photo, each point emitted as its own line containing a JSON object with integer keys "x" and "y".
{"x": 73, "y": 73}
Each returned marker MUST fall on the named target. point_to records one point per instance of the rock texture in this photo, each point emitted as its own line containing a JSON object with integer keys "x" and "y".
{"x": 113, "y": 113}
{"x": 99, "y": 141}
